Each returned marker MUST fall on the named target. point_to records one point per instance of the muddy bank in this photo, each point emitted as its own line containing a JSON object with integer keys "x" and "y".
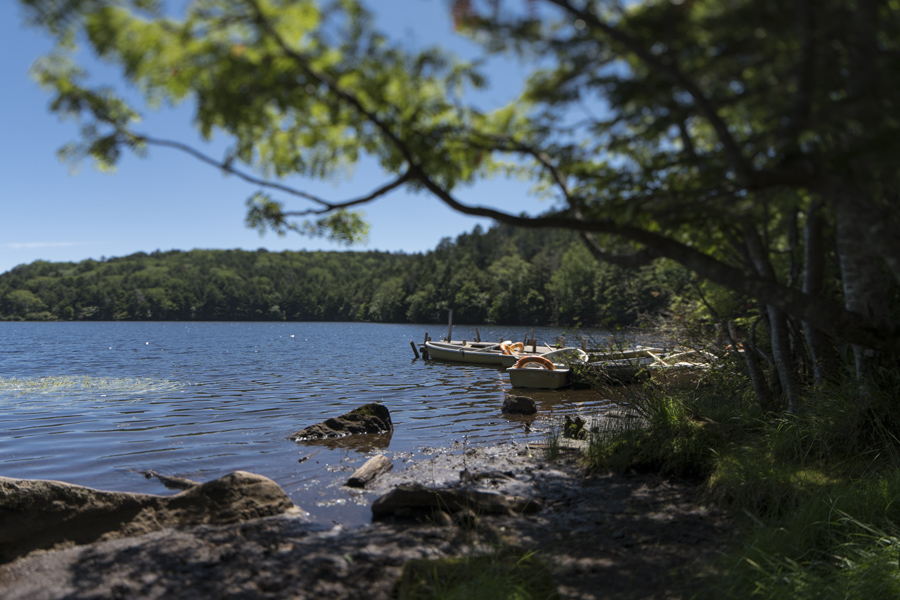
{"x": 604, "y": 537}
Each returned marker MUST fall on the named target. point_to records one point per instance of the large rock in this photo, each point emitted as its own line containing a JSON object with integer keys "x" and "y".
{"x": 520, "y": 405}
{"x": 413, "y": 497}
{"x": 39, "y": 514}
{"x": 369, "y": 418}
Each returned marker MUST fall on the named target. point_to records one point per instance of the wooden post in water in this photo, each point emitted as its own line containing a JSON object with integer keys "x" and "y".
{"x": 583, "y": 344}
{"x": 450, "y": 326}
{"x": 533, "y": 341}
{"x": 477, "y": 336}
{"x": 413, "y": 344}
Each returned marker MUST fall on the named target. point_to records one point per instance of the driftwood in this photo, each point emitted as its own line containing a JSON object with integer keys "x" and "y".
{"x": 374, "y": 467}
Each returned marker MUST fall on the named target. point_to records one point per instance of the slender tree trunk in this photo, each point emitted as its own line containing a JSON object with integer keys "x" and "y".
{"x": 824, "y": 361}
{"x": 754, "y": 368}
{"x": 864, "y": 282}
{"x": 779, "y": 331}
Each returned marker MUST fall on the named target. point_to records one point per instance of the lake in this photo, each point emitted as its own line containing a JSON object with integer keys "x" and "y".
{"x": 97, "y": 403}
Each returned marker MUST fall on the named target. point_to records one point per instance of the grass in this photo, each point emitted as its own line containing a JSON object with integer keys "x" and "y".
{"x": 506, "y": 574}
{"x": 816, "y": 494}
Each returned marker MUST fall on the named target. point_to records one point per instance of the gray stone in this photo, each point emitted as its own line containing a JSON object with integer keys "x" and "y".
{"x": 369, "y": 418}
{"x": 521, "y": 405}
{"x": 416, "y": 497}
{"x": 40, "y": 514}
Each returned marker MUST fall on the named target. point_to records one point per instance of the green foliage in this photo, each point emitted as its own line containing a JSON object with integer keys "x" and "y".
{"x": 501, "y": 276}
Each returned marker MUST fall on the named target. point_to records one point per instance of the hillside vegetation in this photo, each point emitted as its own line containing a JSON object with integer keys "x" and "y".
{"x": 499, "y": 276}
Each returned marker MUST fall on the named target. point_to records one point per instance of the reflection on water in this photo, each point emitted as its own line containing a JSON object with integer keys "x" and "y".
{"x": 95, "y": 403}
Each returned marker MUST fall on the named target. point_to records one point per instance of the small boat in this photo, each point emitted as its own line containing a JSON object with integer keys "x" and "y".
{"x": 539, "y": 377}
{"x": 622, "y": 370}
{"x": 636, "y": 352}
{"x": 481, "y": 353}
{"x": 681, "y": 368}
{"x": 549, "y": 371}
{"x": 566, "y": 356}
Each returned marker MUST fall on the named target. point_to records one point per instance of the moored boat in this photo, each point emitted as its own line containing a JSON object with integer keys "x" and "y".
{"x": 549, "y": 371}
{"x": 481, "y": 353}
{"x": 538, "y": 373}
{"x": 620, "y": 371}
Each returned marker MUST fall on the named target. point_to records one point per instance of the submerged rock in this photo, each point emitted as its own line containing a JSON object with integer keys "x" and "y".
{"x": 369, "y": 418}
{"x": 40, "y": 514}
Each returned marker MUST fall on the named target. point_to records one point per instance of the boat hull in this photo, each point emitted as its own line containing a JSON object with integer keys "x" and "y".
{"x": 538, "y": 378}
{"x": 464, "y": 354}
{"x": 480, "y": 354}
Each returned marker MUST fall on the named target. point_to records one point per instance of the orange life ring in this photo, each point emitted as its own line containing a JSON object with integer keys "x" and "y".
{"x": 504, "y": 347}
{"x": 518, "y": 347}
{"x": 544, "y": 362}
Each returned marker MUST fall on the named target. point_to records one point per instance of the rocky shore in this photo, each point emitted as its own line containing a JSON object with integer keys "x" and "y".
{"x": 601, "y": 536}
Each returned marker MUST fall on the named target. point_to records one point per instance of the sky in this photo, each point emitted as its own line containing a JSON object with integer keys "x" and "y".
{"x": 169, "y": 201}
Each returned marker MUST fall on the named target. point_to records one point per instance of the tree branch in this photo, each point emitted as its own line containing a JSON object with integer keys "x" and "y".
{"x": 664, "y": 66}
{"x": 226, "y": 166}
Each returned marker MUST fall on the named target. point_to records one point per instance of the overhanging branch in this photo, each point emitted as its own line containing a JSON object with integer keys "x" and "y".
{"x": 327, "y": 206}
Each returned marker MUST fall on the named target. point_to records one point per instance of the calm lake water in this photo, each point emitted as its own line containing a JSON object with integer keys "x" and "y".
{"x": 96, "y": 403}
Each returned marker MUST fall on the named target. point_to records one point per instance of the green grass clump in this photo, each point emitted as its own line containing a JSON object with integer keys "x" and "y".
{"x": 503, "y": 575}
{"x": 659, "y": 434}
{"x": 816, "y": 493}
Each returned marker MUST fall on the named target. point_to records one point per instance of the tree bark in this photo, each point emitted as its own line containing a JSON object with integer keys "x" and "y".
{"x": 824, "y": 360}
{"x": 863, "y": 280}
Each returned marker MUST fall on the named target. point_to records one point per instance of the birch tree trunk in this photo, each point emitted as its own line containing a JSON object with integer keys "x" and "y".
{"x": 863, "y": 280}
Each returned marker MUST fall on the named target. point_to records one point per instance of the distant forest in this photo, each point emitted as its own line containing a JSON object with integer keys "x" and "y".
{"x": 502, "y": 275}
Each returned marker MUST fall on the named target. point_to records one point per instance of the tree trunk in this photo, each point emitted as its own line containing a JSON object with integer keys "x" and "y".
{"x": 779, "y": 332}
{"x": 824, "y": 360}
{"x": 754, "y": 368}
{"x": 863, "y": 279}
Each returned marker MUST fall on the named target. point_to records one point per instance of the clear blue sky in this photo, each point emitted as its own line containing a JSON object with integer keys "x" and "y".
{"x": 170, "y": 201}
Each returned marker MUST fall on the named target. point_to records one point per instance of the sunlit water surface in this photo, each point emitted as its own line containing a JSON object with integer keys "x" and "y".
{"x": 97, "y": 403}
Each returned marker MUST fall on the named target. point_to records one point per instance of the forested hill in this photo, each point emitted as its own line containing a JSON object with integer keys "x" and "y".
{"x": 501, "y": 275}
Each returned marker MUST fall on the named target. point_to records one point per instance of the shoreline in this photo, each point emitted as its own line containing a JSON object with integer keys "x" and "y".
{"x": 604, "y": 536}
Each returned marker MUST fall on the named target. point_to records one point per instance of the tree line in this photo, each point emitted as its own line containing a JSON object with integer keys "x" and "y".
{"x": 499, "y": 275}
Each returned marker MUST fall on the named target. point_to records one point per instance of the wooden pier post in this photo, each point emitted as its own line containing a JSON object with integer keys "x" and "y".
{"x": 413, "y": 345}
{"x": 450, "y": 326}
{"x": 477, "y": 336}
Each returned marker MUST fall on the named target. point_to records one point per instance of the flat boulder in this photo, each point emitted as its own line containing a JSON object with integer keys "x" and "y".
{"x": 412, "y": 498}
{"x": 369, "y": 418}
{"x": 41, "y": 514}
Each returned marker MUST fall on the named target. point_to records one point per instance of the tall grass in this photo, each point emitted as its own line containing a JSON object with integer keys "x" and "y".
{"x": 817, "y": 494}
